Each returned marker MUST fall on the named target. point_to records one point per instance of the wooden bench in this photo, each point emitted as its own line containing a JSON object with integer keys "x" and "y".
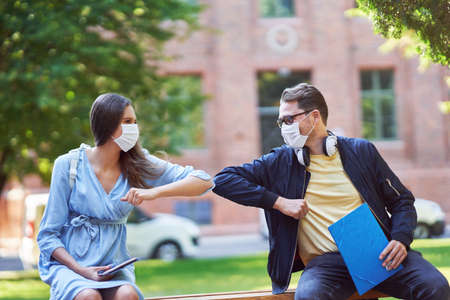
{"x": 258, "y": 295}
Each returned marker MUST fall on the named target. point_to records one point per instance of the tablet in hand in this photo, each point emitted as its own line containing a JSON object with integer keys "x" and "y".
{"x": 116, "y": 268}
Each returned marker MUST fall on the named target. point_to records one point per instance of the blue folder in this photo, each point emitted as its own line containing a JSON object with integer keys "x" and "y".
{"x": 360, "y": 241}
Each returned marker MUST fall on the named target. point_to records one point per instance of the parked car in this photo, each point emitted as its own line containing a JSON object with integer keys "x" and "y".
{"x": 430, "y": 220}
{"x": 34, "y": 210}
{"x": 162, "y": 236}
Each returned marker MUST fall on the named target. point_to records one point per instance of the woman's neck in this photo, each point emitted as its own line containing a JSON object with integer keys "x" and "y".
{"x": 106, "y": 156}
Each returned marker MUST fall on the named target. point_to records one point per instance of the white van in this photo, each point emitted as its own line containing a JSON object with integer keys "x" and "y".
{"x": 34, "y": 210}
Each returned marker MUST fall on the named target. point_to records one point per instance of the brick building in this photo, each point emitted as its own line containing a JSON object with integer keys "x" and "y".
{"x": 258, "y": 47}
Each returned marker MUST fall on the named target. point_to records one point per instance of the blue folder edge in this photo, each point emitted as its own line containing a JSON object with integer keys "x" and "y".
{"x": 360, "y": 241}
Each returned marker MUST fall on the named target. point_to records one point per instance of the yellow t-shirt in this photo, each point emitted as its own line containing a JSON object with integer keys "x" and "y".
{"x": 330, "y": 196}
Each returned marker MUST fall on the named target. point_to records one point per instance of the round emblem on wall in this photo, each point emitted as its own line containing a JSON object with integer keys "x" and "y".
{"x": 282, "y": 38}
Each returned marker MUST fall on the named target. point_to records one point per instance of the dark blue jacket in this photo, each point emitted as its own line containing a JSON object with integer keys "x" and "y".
{"x": 279, "y": 173}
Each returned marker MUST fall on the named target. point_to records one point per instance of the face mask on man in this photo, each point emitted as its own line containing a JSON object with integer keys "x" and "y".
{"x": 128, "y": 138}
{"x": 292, "y": 136}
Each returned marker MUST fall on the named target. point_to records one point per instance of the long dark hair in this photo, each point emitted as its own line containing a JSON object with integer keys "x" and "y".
{"x": 106, "y": 115}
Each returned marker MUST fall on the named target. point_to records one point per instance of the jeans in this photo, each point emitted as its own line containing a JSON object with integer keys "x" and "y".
{"x": 327, "y": 277}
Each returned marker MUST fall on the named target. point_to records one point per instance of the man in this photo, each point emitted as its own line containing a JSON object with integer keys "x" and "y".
{"x": 312, "y": 182}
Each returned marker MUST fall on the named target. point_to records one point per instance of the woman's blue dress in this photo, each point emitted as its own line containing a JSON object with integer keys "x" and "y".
{"x": 90, "y": 224}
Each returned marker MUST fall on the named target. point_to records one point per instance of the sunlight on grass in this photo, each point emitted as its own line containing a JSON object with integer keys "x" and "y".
{"x": 205, "y": 276}
{"x": 158, "y": 278}
{"x": 24, "y": 289}
{"x": 430, "y": 243}
{"x": 445, "y": 271}
{"x": 436, "y": 251}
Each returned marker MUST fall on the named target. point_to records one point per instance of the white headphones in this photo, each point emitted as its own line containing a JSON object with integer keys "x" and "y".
{"x": 328, "y": 145}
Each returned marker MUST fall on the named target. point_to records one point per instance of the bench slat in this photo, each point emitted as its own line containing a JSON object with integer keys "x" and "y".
{"x": 258, "y": 295}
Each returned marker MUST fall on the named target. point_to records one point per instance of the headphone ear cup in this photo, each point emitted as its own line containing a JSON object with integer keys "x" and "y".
{"x": 300, "y": 157}
{"x": 329, "y": 145}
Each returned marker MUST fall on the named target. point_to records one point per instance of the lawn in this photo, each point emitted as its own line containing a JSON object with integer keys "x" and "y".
{"x": 157, "y": 278}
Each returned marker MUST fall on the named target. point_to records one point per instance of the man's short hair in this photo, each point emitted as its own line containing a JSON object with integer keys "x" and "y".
{"x": 308, "y": 97}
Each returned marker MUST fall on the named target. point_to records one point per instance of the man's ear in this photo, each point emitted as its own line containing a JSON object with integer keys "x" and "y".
{"x": 316, "y": 115}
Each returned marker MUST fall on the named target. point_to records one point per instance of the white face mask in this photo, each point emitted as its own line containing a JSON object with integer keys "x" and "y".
{"x": 292, "y": 136}
{"x": 128, "y": 138}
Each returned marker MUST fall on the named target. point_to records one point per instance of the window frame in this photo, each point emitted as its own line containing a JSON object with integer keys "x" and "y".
{"x": 377, "y": 94}
{"x": 195, "y": 210}
{"x": 303, "y": 75}
{"x": 292, "y": 15}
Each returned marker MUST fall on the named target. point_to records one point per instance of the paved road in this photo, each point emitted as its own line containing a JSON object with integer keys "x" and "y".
{"x": 447, "y": 232}
{"x": 210, "y": 247}
{"x": 232, "y": 245}
{"x": 10, "y": 263}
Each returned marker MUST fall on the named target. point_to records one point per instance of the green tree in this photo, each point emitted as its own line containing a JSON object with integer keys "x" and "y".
{"x": 423, "y": 25}
{"x": 57, "y": 56}
{"x": 417, "y": 27}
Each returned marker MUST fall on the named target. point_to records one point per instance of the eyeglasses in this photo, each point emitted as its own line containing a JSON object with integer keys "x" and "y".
{"x": 288, "y": 120}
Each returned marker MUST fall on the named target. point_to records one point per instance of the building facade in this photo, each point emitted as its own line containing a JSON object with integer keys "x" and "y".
{"x": 253, "y": 49}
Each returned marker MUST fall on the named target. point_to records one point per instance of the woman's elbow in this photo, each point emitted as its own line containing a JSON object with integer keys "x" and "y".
{"x": 207, "y": 185}
{"x": 211, "y": 184}
{"x": 203, "y": 185}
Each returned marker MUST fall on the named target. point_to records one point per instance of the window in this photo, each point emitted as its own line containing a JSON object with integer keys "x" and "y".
{"x": 187, "y": 90}
{"x": 276, "y": 8}
{"x": 270, "y": 86}
{"x": 198, "y": 211}
{"x": 378, "y": 105}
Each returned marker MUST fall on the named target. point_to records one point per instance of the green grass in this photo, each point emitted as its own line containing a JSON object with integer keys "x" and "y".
{"x": 156, "y": 278}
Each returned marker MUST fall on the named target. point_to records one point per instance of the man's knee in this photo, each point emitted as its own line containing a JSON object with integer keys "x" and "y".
{"x": 88, "y": 294}
{"x": 313, "y": 295}
{"x": 440, "y": 288}
{"x": 310, "y": 290}
{"x": 436, "y": 287}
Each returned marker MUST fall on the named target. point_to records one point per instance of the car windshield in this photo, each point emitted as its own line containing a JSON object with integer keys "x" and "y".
{"x": 138, "y": 216}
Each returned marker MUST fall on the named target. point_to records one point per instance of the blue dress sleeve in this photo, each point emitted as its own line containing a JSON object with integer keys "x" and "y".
{"x": 173, "y": 172}
{"x": 56, "y": 212}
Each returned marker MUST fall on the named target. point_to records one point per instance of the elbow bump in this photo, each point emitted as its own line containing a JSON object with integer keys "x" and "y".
{"x": 209, "y": 185}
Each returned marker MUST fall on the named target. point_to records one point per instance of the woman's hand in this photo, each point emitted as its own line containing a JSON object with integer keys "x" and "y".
{"x": 61, "y": 255}
{"x": 137, "y": 196}
{"x": 186, "y": 187}
{"x": 92, "y": 273}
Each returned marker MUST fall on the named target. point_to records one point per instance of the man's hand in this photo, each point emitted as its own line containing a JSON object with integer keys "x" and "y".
{"x": 397, "y": 253}
{"x": 296, "y": 208}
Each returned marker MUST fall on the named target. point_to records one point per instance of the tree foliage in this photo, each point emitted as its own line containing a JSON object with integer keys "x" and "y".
{"x": 57, "y": 56}
{"x": 425, "y": 22}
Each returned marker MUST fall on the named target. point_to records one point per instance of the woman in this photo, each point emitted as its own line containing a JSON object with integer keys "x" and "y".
{"x": 83, "y": 228}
